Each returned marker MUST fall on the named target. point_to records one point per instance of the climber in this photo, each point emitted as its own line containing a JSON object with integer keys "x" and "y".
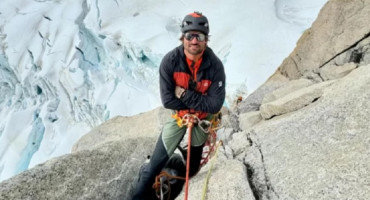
{"x": 192, "y": 81}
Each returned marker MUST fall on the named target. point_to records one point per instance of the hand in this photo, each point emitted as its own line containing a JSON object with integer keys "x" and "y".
{"x": 192, "y": 85}
{"x": 179, "y": 92}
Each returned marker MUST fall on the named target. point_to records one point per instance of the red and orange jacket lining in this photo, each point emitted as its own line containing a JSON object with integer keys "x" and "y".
{"x": 209, "y": 94}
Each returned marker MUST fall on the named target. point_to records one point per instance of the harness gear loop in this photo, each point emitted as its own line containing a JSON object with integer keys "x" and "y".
{"x": 178, "y": 119}
{"x": 214, "y": 122}
{"x": 183, "y": 121}
{"x": 205, "y": 125}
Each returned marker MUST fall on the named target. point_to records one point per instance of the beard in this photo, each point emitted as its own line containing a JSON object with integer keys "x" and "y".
{"x": 194, "y": 49}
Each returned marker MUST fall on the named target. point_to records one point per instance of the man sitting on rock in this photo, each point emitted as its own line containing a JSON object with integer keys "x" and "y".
{"x": 192, "y": 81}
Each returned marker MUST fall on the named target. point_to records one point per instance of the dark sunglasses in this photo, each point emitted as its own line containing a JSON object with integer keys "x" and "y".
{"x": 190, "y": 36}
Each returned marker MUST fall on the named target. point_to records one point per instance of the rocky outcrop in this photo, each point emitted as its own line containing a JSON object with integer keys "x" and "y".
{"x": 331, "y": 72}
{"x": 286, "y": 89}
{"x": 312, "y": 141}
{"x": 340, "y": 26}
{"x": 147, "y": 124}
{"x": 103, "y": 165}
{"x": 106, "y": 172}
{"x": 338, "y": 37}
{"x": 249, "y": 119}
{"x": 294, "y": 101}
{"x": 317, "y": 152}
{"x": 253, "y": 101}
{"x": 227, "y": 179}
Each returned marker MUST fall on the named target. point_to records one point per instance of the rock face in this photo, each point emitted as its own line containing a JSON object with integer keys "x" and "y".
{"x": 304, "y": 134}
{"x": 106, "y": 172}
{"x": 339, "y": 37}
{"x": 103, "y": 165}
{"x": 253, "y": 101}
{"x": 294, "y": 101}
{"x": 337, "y": 31}
{"x": 228, "y": 177}
{"x": 319, "y": 151}
{"x": 147, "y": 124}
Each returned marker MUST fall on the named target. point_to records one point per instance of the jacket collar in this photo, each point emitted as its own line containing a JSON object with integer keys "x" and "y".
{"x": 206, "y": 63}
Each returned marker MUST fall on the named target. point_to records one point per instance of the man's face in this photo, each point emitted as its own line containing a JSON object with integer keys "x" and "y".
{"x": 191, "y": 43}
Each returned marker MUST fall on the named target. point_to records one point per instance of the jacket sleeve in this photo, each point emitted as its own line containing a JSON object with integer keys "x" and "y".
{"x": 167, "y": 86}
{"x": 215, "y": 97}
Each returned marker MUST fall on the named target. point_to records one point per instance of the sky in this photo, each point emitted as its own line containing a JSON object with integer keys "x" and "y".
{"x": 68, "y": 66}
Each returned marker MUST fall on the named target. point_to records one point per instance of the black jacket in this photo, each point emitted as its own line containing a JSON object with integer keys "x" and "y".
{"x": 209, "y": 94}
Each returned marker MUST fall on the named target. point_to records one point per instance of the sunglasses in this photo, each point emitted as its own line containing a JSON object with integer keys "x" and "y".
{"x": 190, "y": 36}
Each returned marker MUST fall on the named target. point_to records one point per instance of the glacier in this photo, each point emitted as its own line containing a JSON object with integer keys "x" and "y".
{"x": 68, "y": 66}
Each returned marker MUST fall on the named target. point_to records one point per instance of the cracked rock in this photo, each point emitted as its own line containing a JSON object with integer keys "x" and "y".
{"x": 293, "y": 101}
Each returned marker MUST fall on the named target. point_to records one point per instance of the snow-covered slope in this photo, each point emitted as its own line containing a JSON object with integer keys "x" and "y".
{"x": 67, "y": 66}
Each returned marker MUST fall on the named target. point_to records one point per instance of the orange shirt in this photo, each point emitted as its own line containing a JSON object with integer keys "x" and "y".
{"x": 194, "y": 69}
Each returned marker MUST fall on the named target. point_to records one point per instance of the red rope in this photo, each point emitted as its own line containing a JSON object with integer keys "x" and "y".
{"x": 210, "y": 144}
{"x": 190, "y": 127}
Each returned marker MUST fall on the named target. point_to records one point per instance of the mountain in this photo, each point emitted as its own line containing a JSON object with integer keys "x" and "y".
{"x": 68, "y": 66}
{"x": 303, "y": 134}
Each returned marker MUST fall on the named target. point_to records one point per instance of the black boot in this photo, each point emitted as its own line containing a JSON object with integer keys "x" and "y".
{"x": 149, "y": 171}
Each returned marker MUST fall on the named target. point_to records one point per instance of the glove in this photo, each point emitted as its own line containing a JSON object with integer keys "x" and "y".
{"x": 179, "y": 92}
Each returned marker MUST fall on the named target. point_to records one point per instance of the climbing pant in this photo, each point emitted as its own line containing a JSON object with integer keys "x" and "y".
{"x": 167, "y": 142}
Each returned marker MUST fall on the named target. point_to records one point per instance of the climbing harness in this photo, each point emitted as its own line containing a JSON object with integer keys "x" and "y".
{"x": 214, "y": 124}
